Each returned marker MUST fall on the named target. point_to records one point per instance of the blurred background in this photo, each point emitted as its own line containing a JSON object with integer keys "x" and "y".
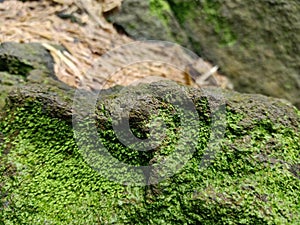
{"x": 250, "y": 46}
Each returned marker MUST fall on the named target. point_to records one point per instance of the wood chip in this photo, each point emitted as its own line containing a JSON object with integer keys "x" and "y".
{"x": 37, "y": 21}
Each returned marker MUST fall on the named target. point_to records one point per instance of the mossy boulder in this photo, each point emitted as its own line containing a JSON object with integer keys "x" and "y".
{"x": 47, "y": 176}
{"x": 255, "y": 43}
{"x": 149, "y": 20}
{"x": 21, "y": 64}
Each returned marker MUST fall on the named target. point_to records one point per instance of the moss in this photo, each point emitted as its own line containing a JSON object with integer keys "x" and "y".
{"x": 159, "y": 7}
{"x": 247, "y": 183}
{"x": 23, "y": 63}
{"x": 182, "y": 9}
{"x": 247, "y": 39}
{"x": 7, "y": 83}
{"x": 253, "y": 178}
{"x": 43, "y": 153}
{"x": 162, "y": 10}
{"x": 14, "y": 66}
{"x": 219, "y": 23}
{"x": 26, "y": 60}
{"x": 210, "y": 10}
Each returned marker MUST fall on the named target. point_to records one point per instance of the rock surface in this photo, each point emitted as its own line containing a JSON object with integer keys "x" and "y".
{"x": 78, "y": 157}
{"x": 21, "y": 64}
{"x": 250, "y": 175}
{"x": 256, "y": 44}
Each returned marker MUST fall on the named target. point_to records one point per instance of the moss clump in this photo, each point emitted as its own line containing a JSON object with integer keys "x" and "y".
{"x": 186, "y": 12}
{"x": 252, "y": 179}
{"x": 26, "y": 60}
{"x": 14, "y": 66}
{"x": 23, "y": 63}
{"x": 161, "y": 10}
{"x": 159, "y": 7}
{"x": 247, "y": 39}
{"x": 219, "y": 23}
{"x": 182, "y": 9}
{"x": 44, "y": 179}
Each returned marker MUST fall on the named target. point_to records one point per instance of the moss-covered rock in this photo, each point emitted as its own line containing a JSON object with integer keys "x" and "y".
{"x": 256, "y": 44}
{"x": 46, "y": 178}
{"x": 22, "y": 64}
{"x": 149, "y": 20}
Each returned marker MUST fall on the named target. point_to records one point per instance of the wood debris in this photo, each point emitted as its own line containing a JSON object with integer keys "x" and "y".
{"x": 87, "y": 38}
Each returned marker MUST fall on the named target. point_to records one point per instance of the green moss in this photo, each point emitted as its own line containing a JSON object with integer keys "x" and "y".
{"x": 46, "y": 180}
{"x": 186, "y": 11}
{"x": 159, "y": 7}
{"x": 221, "y": 26}
{"x": 7, "y": 83}
{"x": 162, "y": 10}
{"x": 15, "y": 66}
{"x": 239, "y": 187}
{"x": 182, "y": 9}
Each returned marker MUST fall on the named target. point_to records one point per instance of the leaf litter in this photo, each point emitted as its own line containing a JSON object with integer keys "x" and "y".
{"x": 78, "y": 37}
